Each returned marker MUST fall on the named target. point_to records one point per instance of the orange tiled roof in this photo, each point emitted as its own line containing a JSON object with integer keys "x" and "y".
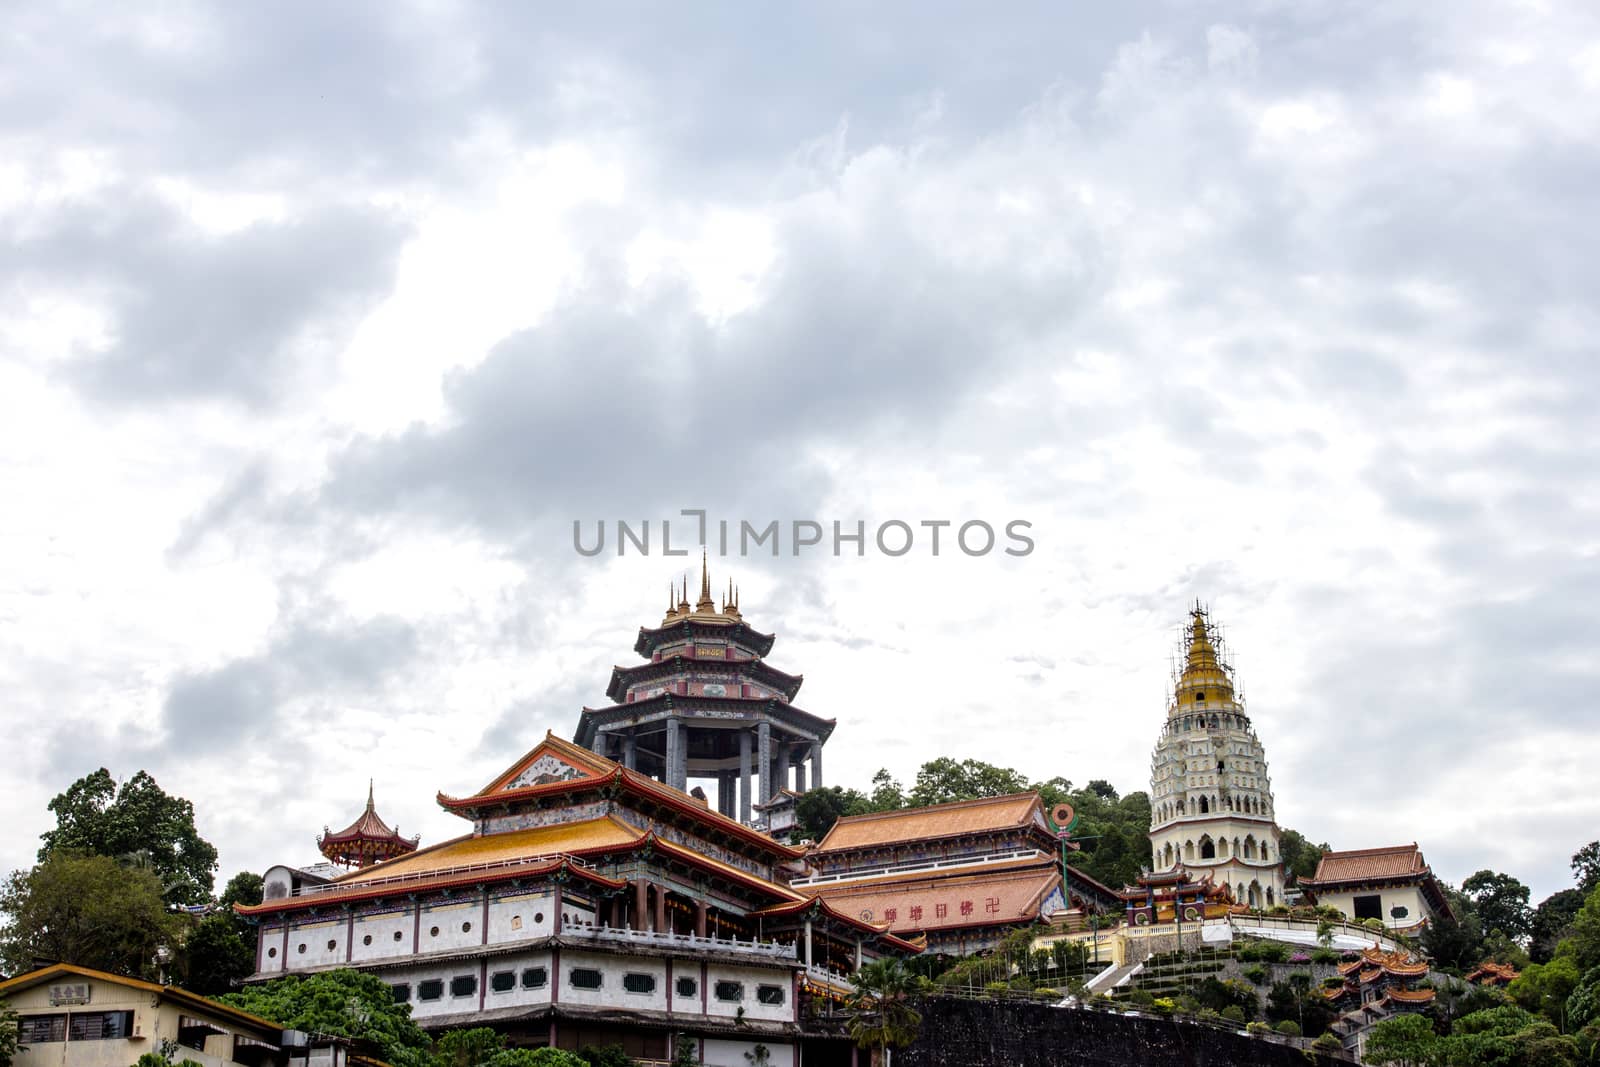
{"x": 1395, "y": 861}
{"x": 1000, "y": 897}
{"x": 938, "y": 820}
{"x": 1410, "y": 996}
{"x": 606, "y": 831}
{"x": 593, "y": 768}
{"x": 1493, "y": 973}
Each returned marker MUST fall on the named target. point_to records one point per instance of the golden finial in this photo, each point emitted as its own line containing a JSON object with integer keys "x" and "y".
{"x": 706, "y": 604}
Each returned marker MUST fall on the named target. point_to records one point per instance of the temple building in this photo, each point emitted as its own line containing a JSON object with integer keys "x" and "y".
{"x": 959, "y": 875}
{"x": 1394, "y": 885}
{"x": 1210, "y": 795}
{"x": 706, "y": 705}
{"x": 587, "y": 905}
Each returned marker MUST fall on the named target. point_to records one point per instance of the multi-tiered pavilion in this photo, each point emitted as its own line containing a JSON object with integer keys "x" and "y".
{"x": 706, "y": 705}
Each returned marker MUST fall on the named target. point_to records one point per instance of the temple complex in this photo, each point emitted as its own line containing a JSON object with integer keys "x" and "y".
{"x": 961, "y": 875}
{"x": 588, "y": 904}
{"x": 706, "y": 705}
{"x": 1210, "y": 796}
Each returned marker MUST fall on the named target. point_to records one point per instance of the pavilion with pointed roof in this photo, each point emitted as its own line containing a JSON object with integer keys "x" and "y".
{"x": 705, "y": 704}
{"x": 366, "y": 841}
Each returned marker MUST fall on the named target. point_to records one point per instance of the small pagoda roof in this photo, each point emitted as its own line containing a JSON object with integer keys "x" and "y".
{"x": 815, "y": 726}
{"x": 1491, "y": 973}
{"x": 366, "y": 840}
{"x": 683, "y": 620}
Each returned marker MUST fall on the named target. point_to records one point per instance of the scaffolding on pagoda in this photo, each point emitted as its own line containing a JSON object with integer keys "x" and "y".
{"x": 366, "y": 841}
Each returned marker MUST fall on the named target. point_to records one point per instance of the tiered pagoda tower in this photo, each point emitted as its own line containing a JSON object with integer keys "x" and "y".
{"x": 1210, "y": 794}
{"x": 365, "y": 841}
{"x": 706, "y": 705}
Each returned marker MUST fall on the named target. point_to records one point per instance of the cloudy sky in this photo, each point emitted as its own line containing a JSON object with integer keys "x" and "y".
{"x": 320, "y": 326}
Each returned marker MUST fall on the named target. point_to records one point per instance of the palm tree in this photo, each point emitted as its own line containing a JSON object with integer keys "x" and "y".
{"x": 881, "y": 1013}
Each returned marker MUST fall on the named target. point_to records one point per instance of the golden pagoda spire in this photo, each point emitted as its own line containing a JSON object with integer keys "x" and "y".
{"x": 706, "y": 604}
{"x": 1205, "y": 681}
{"x": 369, "y": 794}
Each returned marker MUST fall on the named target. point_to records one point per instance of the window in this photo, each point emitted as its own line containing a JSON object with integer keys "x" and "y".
{"x": 42, "y": 1029}
{"x": 534, "y": 977}
{"x": 100, "y": 1026}
{"x": 585, "y": 978}
{"x": 466, "y": 928}
{"x": 366, "y": 939}
{"x": 271, "y": 952}
{"x": 432, "y": 989}
{"x": 301, "y": 948}
{"x": 464, "y": 985}
{"x": 502, "y": 981}
{"x": 433, "y": 931}
{"x": 1399, "y": 911}
{"x": 639, "y": 983}
{"x": 402, "y": 992}
{"x": 731, "y": 992}
{"x": 397, "y": 935}
{"x": 688, "y": 987}
{"x": 1369, "y": 907}
{"x": 769, "y": 994}
{"x": 332, "y": 945}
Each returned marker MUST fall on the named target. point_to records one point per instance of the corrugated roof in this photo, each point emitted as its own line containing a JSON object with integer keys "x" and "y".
{"x": 939, "y": 820}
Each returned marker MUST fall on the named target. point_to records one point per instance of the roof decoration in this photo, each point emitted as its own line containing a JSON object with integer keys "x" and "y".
{"x": 1206, "y": 679}
{"x": 366, "y": 841}
{"x": 705, "y": 609}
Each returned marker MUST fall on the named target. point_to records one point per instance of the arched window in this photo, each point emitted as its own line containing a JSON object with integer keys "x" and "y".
{"x": 1188, "y": 850}
{"x": 1208, "y": 849}
{"x": 1222, "y": 847}
{"x": 1205, "y": 806}
{"x": 1250, "y": 848}
{"x": 1269, "y": 896}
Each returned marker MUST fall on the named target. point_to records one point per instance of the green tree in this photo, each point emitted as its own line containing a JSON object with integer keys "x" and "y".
{"x": 879, "y": 1007}
{"x": 344, "y": 1003}
{"x": 887, "y": 792}
{"x": 538, "y": 1057}
{"x": 1502, "y": 903}
{"x": 1545, "y": 987}
{"x": 1552, "y": 921}
{"x": 467, "y": 1048}
{"x": 1586, "y": 867}
{"x": 1583, "y": 943}
{"x": 9, "y": 1045}
{"x": 95, "y": 817}
{"x": 1455, "y": 943}
{"x": 243, "y": 888}
{"x": 87, "y": 910}
{"x": 817, "y": 810}
{"x": 684, "y": 1053}
{"x": 216, "y": 957}
{"x": 1300, "y": 857}
{"x": 1402, "y": 1041}
{"x": 942, "y": 780}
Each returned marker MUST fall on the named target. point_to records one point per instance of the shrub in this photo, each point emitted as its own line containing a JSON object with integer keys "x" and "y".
{"x": 1142, "y": 997}
{"x": 1256, "y": 974}
{"x": 1233, "y": 1013}
{"x": 1333, "y": 981}
{"x": 1327, "y": 1042}
{"x": 1257, "y": 1028}
{"x": 1324, "y": 955}
{"x": 1044, "y": 992}
{"x": 1288, "y": 1028}
{"x": 996, "y": 988}
{"x": 1163, "y": 1004}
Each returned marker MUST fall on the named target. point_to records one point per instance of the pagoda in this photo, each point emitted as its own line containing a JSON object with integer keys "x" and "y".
{"x": 1210, "y": 796}
{"x": 705, "y": 704}
{"x": 366, "y": 841}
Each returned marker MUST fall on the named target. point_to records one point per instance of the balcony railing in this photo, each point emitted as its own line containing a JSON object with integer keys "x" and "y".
{"x": 441, "y": 872}
{"x": 622, "y": 935}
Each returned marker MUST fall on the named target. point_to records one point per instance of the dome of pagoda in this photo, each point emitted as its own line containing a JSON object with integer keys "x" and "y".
{"x": 1206, "y": 681}
{"x": 366, "y": 841}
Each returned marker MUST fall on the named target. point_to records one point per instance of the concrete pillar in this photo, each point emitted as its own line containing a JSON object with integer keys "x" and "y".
{"x": 780, "y": 775}
{"x": 661, "y": 910}
{"x": 699, "y": 918}
{"x": 800, "y": 777}
{"x": 808, "y": 943}
{"x": 816, "y": 765}
{"x": 630, "y": 750}
{"x": 764, "y": 759}
{"x": 641, "y": 905}
{"x": 744, "y": 776}
{"x": 669, "y": 774}
{"x": 858, "y": 953}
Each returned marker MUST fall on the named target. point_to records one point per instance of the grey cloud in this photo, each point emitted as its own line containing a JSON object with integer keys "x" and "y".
{"x": 249, "y": 698}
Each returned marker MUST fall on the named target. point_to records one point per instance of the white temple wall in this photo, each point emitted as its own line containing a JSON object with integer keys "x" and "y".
{"x": 450, "y": 926}
{"x": 317, "y": 943}
{"x": 515, "y": 918}
{"x": 721, "y": 1052}
{"x": 375, "y": 935}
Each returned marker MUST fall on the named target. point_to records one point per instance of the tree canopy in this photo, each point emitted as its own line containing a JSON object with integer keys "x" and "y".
{"x": 87, "y": 910}
{"x": 139, "y": 820}
{"x": 344, "y": 1003}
